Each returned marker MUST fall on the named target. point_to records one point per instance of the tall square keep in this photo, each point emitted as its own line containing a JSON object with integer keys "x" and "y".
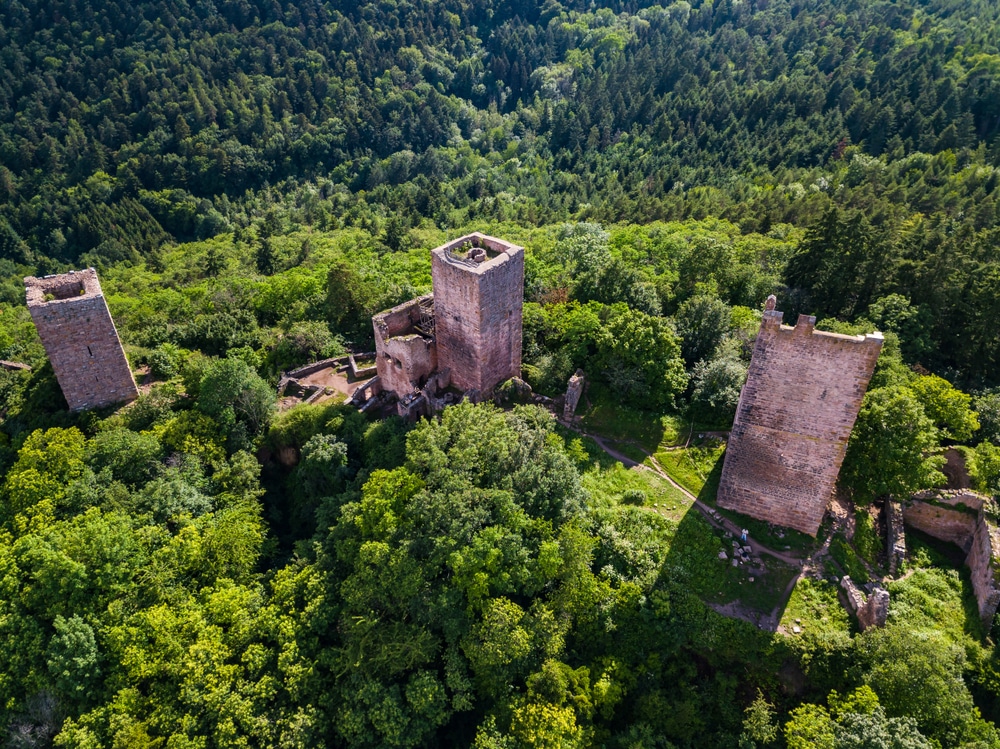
{"x": 478, "y": 294}
{"x": 80, "y": 339}
{"x": 795, "y": 415}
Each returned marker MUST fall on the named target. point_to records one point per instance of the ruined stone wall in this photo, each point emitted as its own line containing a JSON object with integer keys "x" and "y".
{"x": 895, "y": 535}
{"x": 80, "y": 338}
{"x": 478, "y": 312}
{"x": 404, "y": 357}
{"x": 802, "y": 395}
{"x": 871, "y": 611}
{"x": 967, "y": 520}
{"x": 982, "y": 562}
{"x": 573, "y": 392}
{"x": 941, "y": 519}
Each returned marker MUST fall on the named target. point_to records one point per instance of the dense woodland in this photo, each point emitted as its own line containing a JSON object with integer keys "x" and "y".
{"x": 253, "y": 180}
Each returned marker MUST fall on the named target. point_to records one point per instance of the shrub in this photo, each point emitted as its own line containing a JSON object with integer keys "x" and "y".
{"x": 633, "y": 497}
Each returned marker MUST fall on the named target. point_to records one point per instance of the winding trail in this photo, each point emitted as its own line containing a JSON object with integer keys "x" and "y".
{"x": 721, "y": 522}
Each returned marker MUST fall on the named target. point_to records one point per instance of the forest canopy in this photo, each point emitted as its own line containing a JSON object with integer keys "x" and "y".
{"x": 253, "y": 179}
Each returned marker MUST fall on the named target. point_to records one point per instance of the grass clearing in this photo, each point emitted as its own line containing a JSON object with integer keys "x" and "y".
{"x": 695, "y": 558}
{"x": 606, "y": 480}
{"x": 620, "y": 423}
{"x": 607, "y": 485}
{"x": 816, "y": 609}
{"x": 693, "y": 544}
{"x": 936, "y": 592}
{"x": 692, "y": 466}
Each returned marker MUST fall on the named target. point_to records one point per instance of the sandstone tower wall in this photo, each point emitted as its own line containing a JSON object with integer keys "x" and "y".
{"x": 478, "y": 295}
{"x": 795, "y": 414}
{"x": 80, "y": 338}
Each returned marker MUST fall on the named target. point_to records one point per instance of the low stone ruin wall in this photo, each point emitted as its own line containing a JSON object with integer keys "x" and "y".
{"x": 317, "y": 366}
{"x": 896, "y": 535}
{"x": 872, "y": 610}
{"x": 982, "y": 562}
{"x": 573, "y": 392}
{"x": 947, "y": 516}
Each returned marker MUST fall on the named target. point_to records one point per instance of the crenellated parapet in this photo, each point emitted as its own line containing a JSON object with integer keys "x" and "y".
{"x": 802, "y": 395}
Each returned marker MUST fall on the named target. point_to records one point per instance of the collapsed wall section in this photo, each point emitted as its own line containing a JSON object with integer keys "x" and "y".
{"x": 80, "y": 339}
{"x": 478, "y": 297}
{"x": 802, "y": 395}
{"x": 405, "y": 345}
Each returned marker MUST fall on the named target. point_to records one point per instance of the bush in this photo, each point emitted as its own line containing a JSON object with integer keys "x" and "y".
{"x": 633, "y": 497}
{"x": 230, "y": 386}
{"x": 165, "y": 361}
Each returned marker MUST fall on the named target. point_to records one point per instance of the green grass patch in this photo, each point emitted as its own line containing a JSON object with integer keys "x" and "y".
{"x": 679, "y": 432}
{"x": 694, "y": 545}
{"x": 816, "y": 609}
{"x": 691, "y": 467}
{"x": 586, "y": 453}
{"x": 867, "y": 540}
{"x": 607, "y": 485}
{"x": 694, "y": 559}
{"x": 936, "y": 593}
{"x": 608, "y": 418}
{"x": 848, "y": 560}
{"x": 936, "y": 599}
{"x": 629, "y": 450}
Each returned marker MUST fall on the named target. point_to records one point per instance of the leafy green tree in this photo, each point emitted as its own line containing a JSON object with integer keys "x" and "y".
{"x": 896, "y": 660}
{"x": 876, "y": 731}
{"x": 947, "y": 407}
{"x": 46, "y": 464}
{"x": 231, "y": 391}
{"x": 133, "y": 458}
{"x": 716, "y": 384}
{"x": 73, "y": 660}
{"x": 895, "y": 313}
{"x": 985, "y": 468}
{"x": 987, "y": 407}
{"x": 640, "y": 358}
{"x": 324, "y": 465}
{"x": 702, "y": 323}
{"x": 892, "y": 447}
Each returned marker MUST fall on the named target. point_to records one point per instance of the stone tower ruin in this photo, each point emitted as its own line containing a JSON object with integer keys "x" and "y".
{"x": 466, "y": 336}
{"x": 795, "y": 414}
{"x": 80, "y": 339}
{"x": 478, "y": 295}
